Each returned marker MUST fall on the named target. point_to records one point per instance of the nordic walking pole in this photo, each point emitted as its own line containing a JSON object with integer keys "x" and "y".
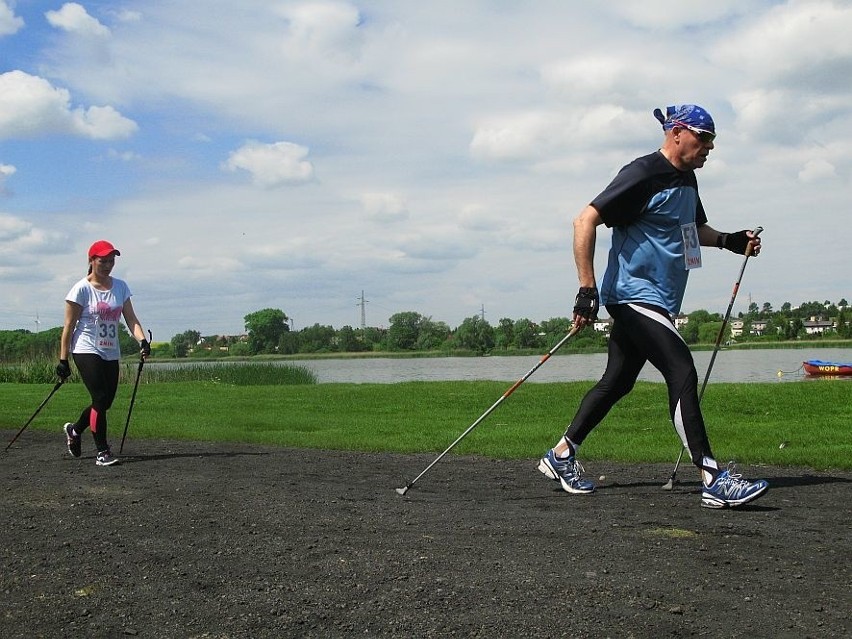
{"x": 133, "y": 397}
{"x": 38, "y": 410}
{"x": 511, "y": 390}
{"x": 670, "y": 483}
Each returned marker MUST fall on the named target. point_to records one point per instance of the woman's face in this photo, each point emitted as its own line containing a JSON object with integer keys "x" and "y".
{"x": 103, "y": 265}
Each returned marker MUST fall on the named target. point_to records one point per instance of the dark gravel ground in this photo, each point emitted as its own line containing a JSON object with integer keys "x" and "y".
{"x": 188, "y": 539}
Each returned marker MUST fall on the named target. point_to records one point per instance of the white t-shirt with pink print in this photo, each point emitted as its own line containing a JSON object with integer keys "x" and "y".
{"x": 97, "y": 329}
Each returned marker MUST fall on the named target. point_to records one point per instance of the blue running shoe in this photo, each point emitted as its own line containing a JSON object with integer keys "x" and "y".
{"x": 731, "y": 490}
{"x": 568, "y": 472}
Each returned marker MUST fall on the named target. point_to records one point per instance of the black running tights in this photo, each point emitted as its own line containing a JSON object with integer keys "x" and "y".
{"x": 641, "y": 333}
{"x": 101, "y": 379}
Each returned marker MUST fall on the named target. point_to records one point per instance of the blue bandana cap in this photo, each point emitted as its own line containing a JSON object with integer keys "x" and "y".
{"x": 686, "y": 115}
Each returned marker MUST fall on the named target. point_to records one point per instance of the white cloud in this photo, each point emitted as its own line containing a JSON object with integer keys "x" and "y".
{"x": 663, "y": 15}
{"x": 73, "y": 18}
{"x": 538, "y": 135}
{"x": 209, "y": 265}
{"x": 476, "y": 217}
{"x": 818, "y": 169}
{"x": 13, "y": 228}
{"x": 785, "y": 114}
{"x": 6, "y": 170}
{"x": 805, "y": 42}
{"x": 30, "y": 107}
{"x": 321, "y": 29}
{"x": 272, "y": 165}
{"x": 385, "y": 207}
{"x": 22, "y": 243}
{"x": 9, "y": 22}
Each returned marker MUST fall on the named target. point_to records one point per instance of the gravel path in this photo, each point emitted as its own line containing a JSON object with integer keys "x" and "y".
{"x": 189, "y": 539}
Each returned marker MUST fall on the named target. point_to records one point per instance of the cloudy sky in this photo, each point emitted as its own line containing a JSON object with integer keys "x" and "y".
{"x": 292, "y": 154}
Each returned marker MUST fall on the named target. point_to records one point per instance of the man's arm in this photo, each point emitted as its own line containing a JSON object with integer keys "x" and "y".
{"x": 735, "y": 242}
{"x": 585, "y": 234}
{"x": 707, "y": 235}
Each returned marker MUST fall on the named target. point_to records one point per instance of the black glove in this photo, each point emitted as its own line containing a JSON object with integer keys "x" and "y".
{"x": 145, "y": 347}
{"x": 587, "y": 303}
{"x": 735, "y": 242}
{"x": 63, "y": 370}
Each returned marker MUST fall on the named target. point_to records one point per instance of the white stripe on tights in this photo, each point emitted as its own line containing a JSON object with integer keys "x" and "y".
{"x": 677, "y": 417}
{"x": 677, "y": 420}
{"x": 657, "y": 317}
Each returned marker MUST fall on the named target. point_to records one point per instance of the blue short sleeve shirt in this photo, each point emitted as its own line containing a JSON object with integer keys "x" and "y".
{"x": 647, "y": 205}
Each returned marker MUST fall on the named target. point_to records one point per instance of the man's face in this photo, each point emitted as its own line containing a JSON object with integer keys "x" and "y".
{"x": 693, "y": 147}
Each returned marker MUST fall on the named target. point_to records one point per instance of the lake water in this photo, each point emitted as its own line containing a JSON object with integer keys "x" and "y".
{"x": 730, "y": 366}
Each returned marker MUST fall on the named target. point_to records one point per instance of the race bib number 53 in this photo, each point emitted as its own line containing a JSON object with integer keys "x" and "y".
{"x": 691, "y": 246}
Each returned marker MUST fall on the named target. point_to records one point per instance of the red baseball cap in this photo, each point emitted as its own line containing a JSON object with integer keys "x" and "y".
{"x": 102, "y": 248}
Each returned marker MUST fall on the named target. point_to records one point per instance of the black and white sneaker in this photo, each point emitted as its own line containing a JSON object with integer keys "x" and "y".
{"x": 105, "y": 458}
{"x": 73, "y": 439}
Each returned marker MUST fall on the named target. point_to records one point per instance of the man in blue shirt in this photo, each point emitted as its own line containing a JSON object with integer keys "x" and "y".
{"x": 658, "y": 226}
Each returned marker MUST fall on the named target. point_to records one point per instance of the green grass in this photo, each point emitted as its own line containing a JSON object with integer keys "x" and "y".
{"x": 746, "y": 422}
{"x": 262, "y": 373}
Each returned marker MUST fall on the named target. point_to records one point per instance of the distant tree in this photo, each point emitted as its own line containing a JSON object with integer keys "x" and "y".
{"x": 265, "y": 328}
{"x": 348, "y": 340}
{"x": 526, "y": 334}
{"x": 689, "y": 331}
{"x": 432, "y": 335}
{"x": 184, "y": 342}
{"x": 701, "y": 316}
{"x": 709, "y": 331}
{"x": 796, "y": 328}
{"x": 289, "y": 343}
{"x": 374, "y": 338}
{"x": 807, "y": 310}
{"x": 475, "y": 334}
{"x": 842, "y": 326}
{"x": 404, "y": 331}
{"x": 126, "y": 342}
{"x": 555, "y": 329}
{"x": 504, "y": 334}
{"x": 317, "y": 339}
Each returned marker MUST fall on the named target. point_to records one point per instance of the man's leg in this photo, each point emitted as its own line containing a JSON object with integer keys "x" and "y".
{"x": 623, "y": 366}
{"x": 667, "y": 351}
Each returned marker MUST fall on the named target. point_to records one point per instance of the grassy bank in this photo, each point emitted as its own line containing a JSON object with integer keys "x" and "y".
{"x": 799, "y": 424}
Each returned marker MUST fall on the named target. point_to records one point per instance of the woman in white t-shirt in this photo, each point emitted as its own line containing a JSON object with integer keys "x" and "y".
{"x": 93, "y": 310}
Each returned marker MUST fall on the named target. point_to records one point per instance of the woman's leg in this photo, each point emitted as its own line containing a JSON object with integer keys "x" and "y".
{"x": 101, "y": 380}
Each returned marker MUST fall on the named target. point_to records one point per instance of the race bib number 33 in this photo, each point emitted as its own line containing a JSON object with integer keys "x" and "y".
{"x": 107, "y": 334}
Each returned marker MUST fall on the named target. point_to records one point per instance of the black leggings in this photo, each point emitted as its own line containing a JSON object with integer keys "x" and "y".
{"x": 101, "y": 379}
{"x": 643, "y": 333}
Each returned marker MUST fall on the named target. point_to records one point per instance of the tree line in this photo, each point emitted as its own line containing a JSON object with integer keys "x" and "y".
{"x": 267, "y": 331}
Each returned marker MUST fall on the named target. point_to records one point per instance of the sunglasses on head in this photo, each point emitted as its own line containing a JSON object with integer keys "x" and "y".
{"x": 706, "y": 137}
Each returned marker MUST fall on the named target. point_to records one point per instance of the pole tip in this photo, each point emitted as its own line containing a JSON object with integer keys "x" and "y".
{"x": 401, "y": 491}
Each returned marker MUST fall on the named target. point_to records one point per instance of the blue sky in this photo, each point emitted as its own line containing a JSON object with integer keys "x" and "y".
{"x": 291, "y": 154}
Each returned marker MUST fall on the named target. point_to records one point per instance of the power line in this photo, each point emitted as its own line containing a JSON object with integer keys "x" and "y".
{"x": 363, "y": 304}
